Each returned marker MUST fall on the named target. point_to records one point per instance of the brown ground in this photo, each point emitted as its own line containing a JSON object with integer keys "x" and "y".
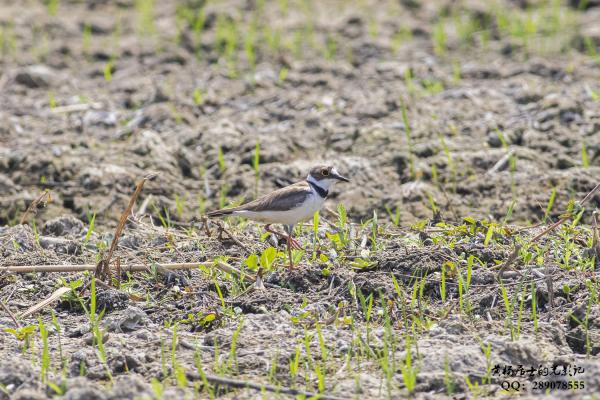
{"x": 495, "y": 124}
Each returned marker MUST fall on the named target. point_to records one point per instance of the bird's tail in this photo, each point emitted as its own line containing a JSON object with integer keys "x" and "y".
{"x": 220, "y": 213}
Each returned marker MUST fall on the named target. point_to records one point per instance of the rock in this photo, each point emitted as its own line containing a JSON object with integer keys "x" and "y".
{"x": 584, "y": 337}
{"x": 185, "y": 161}
{"x": 585, "y": 4}
{"x": 174, "y": 393}
{"x": 569, "y": 117}
{"x": 364, "y": 385}
{"x": 106, "y": 174}
{"x": 123, "y": 363}
{"x": 78, "y": 331}
{"x": 584, "y": 341}
{"x": 592, "y": 372}
{"x": 98, "y": 25}
{"x": 91, "y": 178}
{"x": 7, "y": 187}
{"x": 425, "y": 150}
{"x": 521, "y": 352}
{"x": 130, "y": 242}
{"x": 371, "y": 109}
{"x": 147, "y": 142}
{"x": 81, "y": 359}
{"x": 133, "y": 319}
{"x": 265, "y": 76}
{"x": 110, "y": 300}
{"x": 130, "y": 387}
{"x": 150, "y": 144}
{"x": 564, "y": 162}
{"x": 60, "y": 245}
{"x": 84, "y": 393}
{"x": 100, "y": 118}
{"x": 88, "y": 338}
{"x": 138, "y": 119}
{"x": 453, "y": 327}
{"x": 364, "y": 51}
{"x": 578, "y": 314}
{"x": 143, "y": 334}
{"x": 29, "y": 394}
{"x": 353, "y": 27}
{"x": 509, "y": 137}
{"x": 474, "y": 71}
{"x": 36, "y": 76}
{"x": 23, "y": 236}
{"x": 11, "y": 159}
{"x": 63, "y": 226}
{"x": 15, "y": 374}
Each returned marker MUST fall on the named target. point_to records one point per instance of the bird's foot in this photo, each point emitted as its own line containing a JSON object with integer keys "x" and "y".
{"x": 295, "y": 244}
{"x": 280, "y": 235}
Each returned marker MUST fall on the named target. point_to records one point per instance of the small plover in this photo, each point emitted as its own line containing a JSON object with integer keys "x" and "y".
{"x": 289, "y": 205}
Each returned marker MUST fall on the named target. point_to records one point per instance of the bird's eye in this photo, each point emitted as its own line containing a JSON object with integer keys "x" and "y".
{"x": 325, "y": 172}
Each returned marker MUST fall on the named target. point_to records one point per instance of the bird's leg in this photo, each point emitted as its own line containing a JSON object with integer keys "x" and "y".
{"x": 289, "y": 247}
{"x": 274, "y": 232}
{"x": 258, "y": 284}
{"x": 290, "y": 229}
{"x": 293, "y": 242}
{"x": 287, "y": 237}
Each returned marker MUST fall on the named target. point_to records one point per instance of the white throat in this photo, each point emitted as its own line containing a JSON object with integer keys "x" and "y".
{"x": 324, "y": 184}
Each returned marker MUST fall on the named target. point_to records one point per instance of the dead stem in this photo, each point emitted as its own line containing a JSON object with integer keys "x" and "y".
{"x": 10, "y": 314}
{"x": 33, "y": 207}
{"x": 233, "y": 238}
{"x": 220, "y": 265}
{"x": 103, "y": 271}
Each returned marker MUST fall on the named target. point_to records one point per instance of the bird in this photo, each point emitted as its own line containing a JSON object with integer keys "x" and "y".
{"x": 289, "y": 205}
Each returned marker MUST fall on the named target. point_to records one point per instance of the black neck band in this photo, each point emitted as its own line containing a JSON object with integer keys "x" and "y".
{"x": 322, "y": 192}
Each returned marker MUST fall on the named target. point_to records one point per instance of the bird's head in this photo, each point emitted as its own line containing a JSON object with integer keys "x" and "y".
{"x": 325, "y": 176}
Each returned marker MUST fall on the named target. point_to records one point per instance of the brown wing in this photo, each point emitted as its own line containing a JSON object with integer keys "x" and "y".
{"x": 280, "y": 200}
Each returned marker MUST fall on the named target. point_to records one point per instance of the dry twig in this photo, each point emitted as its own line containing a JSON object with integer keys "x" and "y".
{"x": 48, "y": 300}
{"x": 103, "y": 267}
{"x": 76, "y": 107}
{"x": 10, "y": 314}
{"x": 233, "y": 238}
{"x": 220, "y": 265}
{"x": 566, "y": 217}
{"x": 32, "y": 209}
{"x": 511, "y": 259}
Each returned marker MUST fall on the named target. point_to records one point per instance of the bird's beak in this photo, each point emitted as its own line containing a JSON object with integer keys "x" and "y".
{"x": 339, "y": 177}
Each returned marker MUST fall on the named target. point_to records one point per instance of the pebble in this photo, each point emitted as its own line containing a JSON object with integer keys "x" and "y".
{"x": 100, "y": 118}
{"x": 36, "y": 76}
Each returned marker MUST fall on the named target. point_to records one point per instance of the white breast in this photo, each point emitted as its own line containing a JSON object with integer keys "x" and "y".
{"x": 306, "y": 210}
